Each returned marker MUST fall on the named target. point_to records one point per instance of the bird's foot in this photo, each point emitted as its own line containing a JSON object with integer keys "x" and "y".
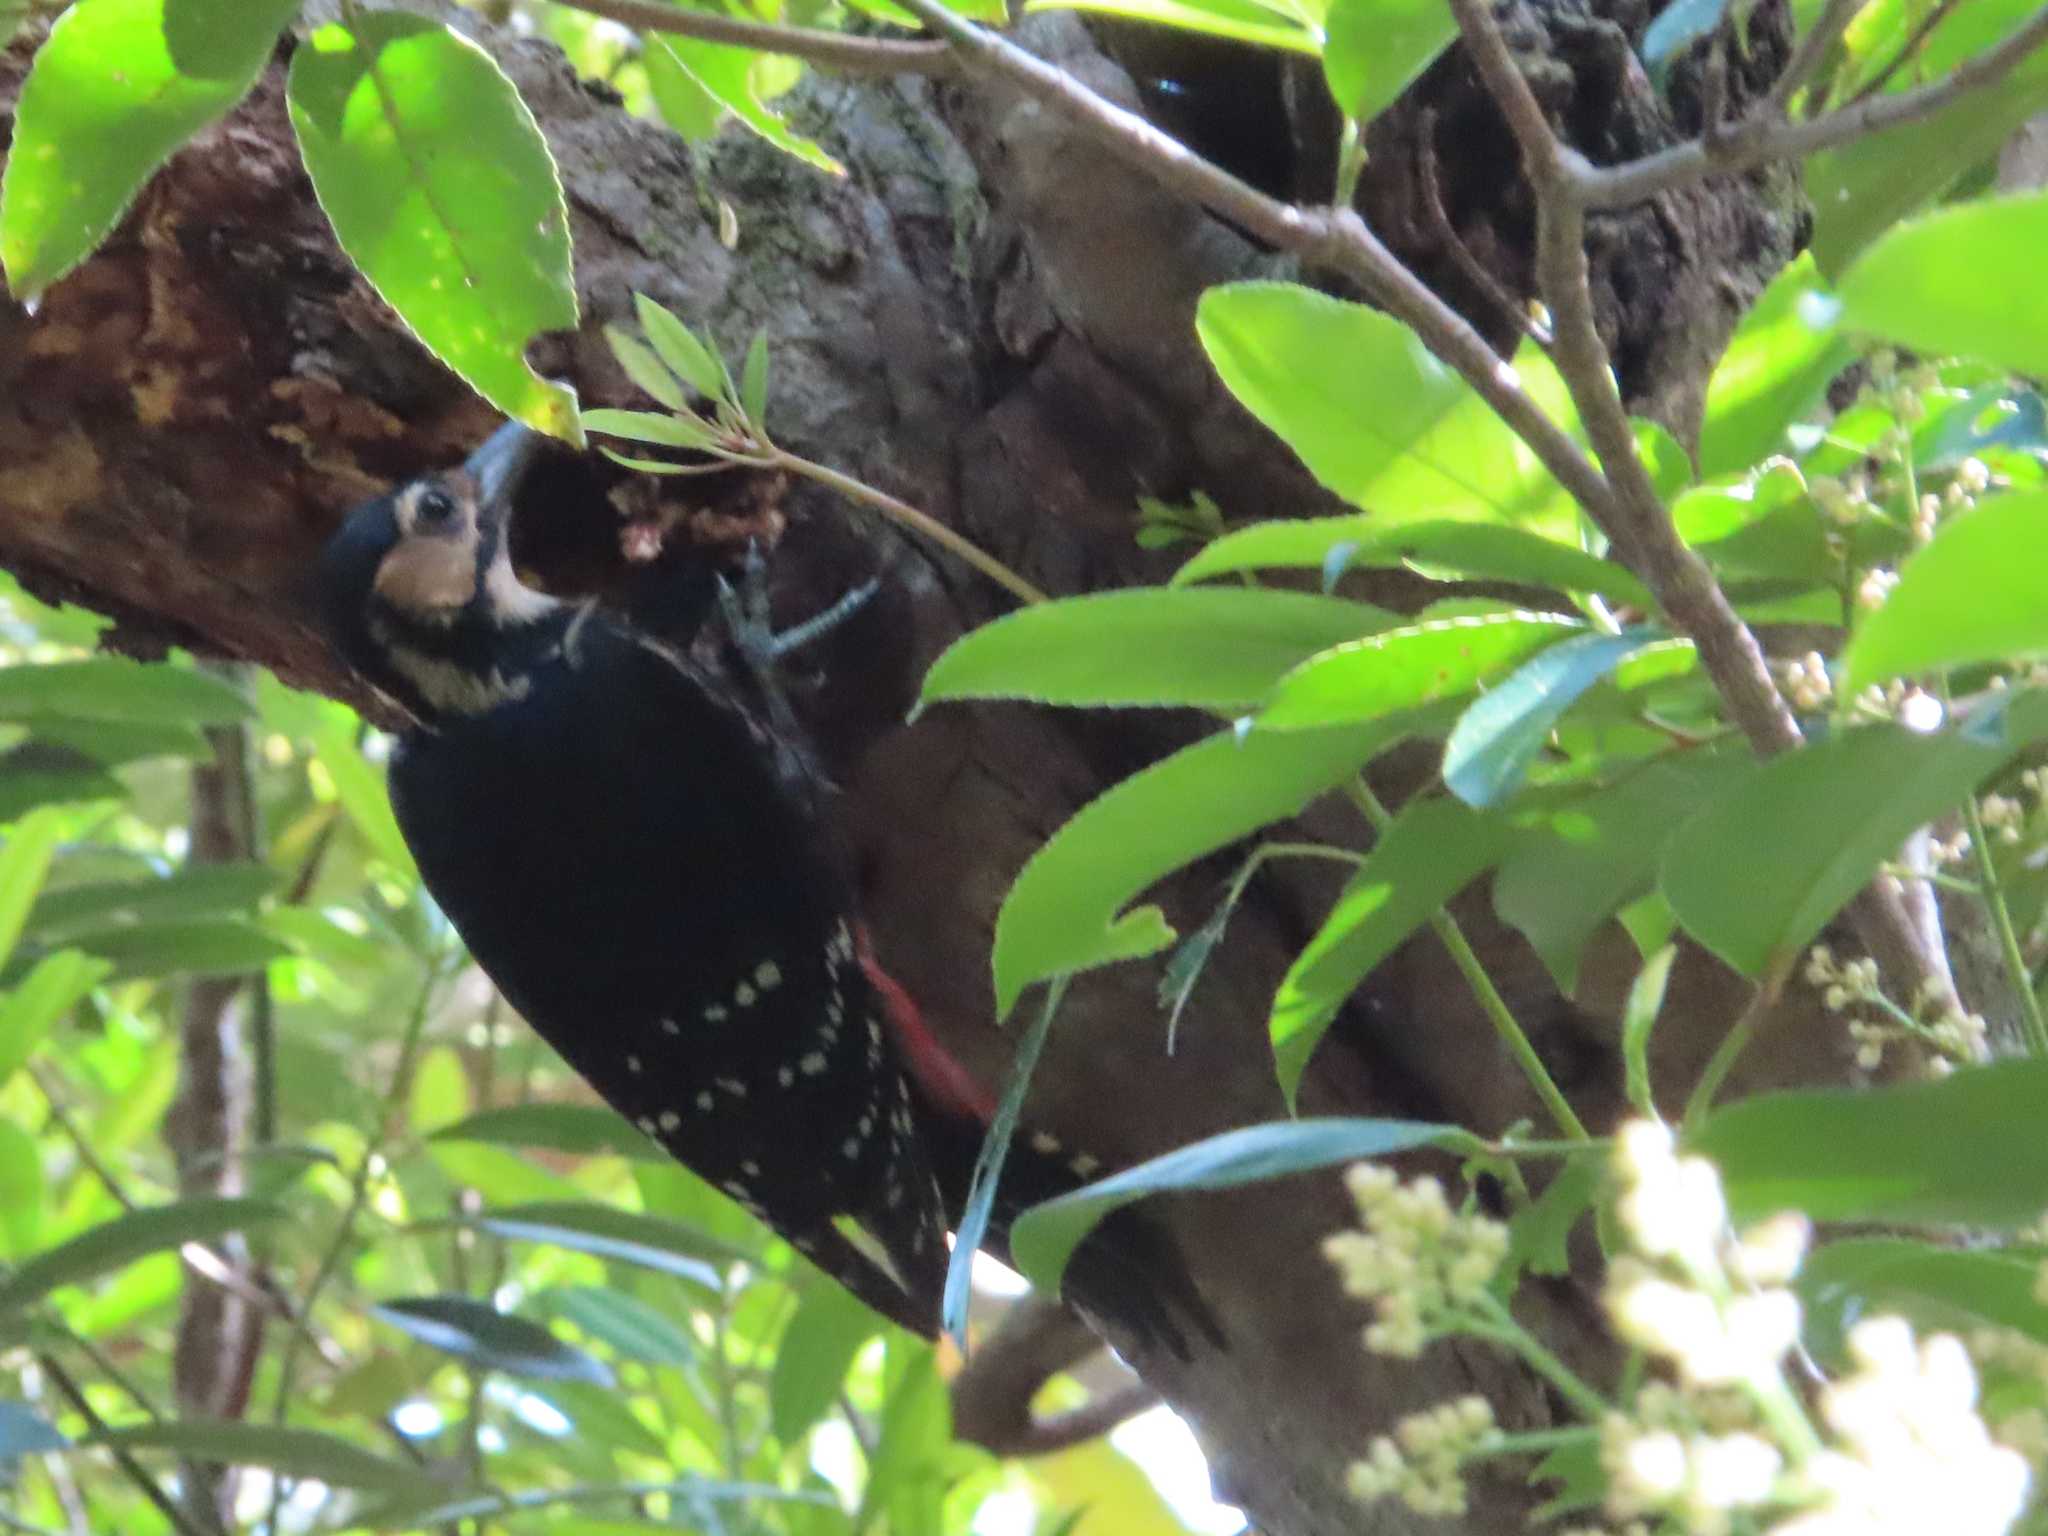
{"x": 750, "y": 628}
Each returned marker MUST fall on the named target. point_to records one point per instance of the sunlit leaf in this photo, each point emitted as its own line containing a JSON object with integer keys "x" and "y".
{"x": 1375, "y": 48}
{"x": 726, "y": 74}
{"x": 21, "y": 1194}
{"x": 104, "y": 104}
{"x": 443, "y": 192}
{"x": 24, "y": 864}
{"x": 632, "y": 1328}
{"x": 1238, "y": 20}
{"x": 1495, "y": 741}
{"x": 1778, "y": 362}
{"x": 34, "y": 1004}
{"x": 1407, "y": 667}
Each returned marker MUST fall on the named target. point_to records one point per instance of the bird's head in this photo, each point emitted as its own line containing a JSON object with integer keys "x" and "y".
{"x": 420, "y": 593}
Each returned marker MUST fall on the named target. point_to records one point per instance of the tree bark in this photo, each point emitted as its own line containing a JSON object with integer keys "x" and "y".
{"x": 997, "y": 326}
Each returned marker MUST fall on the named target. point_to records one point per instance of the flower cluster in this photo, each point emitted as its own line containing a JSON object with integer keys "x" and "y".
{"x": 1421, "y": 1264}
{"x": 1875, "y": 1021}
{"x": 1419, "y": 1463}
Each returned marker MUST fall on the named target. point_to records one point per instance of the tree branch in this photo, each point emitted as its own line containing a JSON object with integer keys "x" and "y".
{"x": 1765, "y": 136}
{"x": 1036, "y": 1340}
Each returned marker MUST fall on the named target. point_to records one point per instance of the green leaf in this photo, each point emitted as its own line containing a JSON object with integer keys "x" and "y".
{"x": 1777, "y": 365}
{"x": 360, "y": 789}
{"x": 115, "y": 1244}
{"x": 1973, "y": 594}
{"x": 680, "y": 350}
{"x": 1045, "y": 1237}
{"x": 1067, "y": 910}
{"x": 1820, "y": 820}
{"x": 648, "y": 427}
{"x": 1946, "y": 1288}
{"x": 1965, "y": 1150}
{"x": 811, "y": 1362}
{"x": 579, "y": 1130}
{"x": 214, "y": 39}
{"x": 1216, "y": 648}
{"x": 197, "y": 890}
{"x": 34, "y": 1004}
{"x": 218, "y": 946}
{"x": 24, "y": 1432}
{"x": 1374, "y": 49}
{"x": 650, "y": 1242}
{"x": 300, "y": 1453}
{"x": 1433, "y": 850}
{"x": 1238, "y": 20}
{"x": 632, "y": 1328}
{"x": 110, "y": 743}
{"x": 24, "y": 865}
{"x": 35, "y": 774}
{"x": 726, "y": 73}
{"x": 1944, "y": 284}
{"x": 1638, "y": 1018}
{"x": 114, "y": 688}
{"x": 479, "y": 1333}
{"x": 440, "y": 1091}
{"x": 1406, "y": 668}
{"x": 1495, "y": 741}
{"x": 754, "y": 380}
{"x": 1489, "y": 551}
{"x": 103, "y": 106}
{"x": 1584, "y": 859}
{"x": 1540, "y": 1233}
{"x": 647, "y": 371}
{"x": 441, "y": 189}
{"x": 21, "y": 1192}
{"x": 684, "y": 105}
{"x": 1390, "y": 429}
{"x": 1865, "y": 187}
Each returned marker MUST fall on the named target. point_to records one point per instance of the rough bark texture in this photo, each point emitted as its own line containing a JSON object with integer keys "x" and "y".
{"x": 994, "y": 323}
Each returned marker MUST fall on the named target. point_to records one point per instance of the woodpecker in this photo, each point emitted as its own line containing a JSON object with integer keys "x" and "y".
{"x": 638, "y": 862}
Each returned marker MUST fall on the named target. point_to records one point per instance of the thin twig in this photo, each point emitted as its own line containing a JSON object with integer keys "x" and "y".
{"x": 1911, "y": 46}
{"x": 1439, "y": 220}
{"x": 841, "y": 51}
{"x": 1760, "y": 138}
{"x": 1812, "y": 51}
{"x": 136, "y": 1473}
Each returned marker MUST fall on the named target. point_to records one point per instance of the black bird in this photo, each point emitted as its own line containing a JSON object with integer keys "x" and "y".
{"x": 638, "y": 863}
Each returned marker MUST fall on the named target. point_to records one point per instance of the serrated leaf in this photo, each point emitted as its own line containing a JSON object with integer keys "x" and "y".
{"x": 1489, "y": 551}
{"x": 115, "y": 1244}
{"x": 1963, "y": 1150}
{"x": 479, "y": 1333}
{"x": 1972, "y": 594}
{"x": 1821, "y": 820}
{"x": 34, "y": 1004}
{"x": 726, "y": 74}
{"x": 1495, "y": 741}
{"x": 1212, "y": 648}
{"x": 299, "y": 1453}
{"x": 1433, "y": 850}
{"x": 579, "y": 1130}
{"x": 1944, "y": 284}
{"x": 441, "y": 189}
{"x": 811, "y": 1362}
{"x": 1067, "y": 910}
{"x": 104, "y": 104}
{"x": 114, "y": 688}
{"x": 1045, "y": 1237}
{"x": 1406, "y": 668}
{"x": 1374, "y": 49}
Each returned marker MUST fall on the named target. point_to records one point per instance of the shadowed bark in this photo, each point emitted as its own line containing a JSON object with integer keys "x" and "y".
{"x": 997, "y": 326}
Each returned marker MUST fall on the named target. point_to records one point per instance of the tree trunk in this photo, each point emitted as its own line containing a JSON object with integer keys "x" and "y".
{"x": 995, "y": 324}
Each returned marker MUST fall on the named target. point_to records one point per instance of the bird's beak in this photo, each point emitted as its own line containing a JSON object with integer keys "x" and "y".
{"x": 500, "y": 464}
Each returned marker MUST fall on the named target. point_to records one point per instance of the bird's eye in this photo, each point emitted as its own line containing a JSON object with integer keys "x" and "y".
{"x": 434, "y": 508}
